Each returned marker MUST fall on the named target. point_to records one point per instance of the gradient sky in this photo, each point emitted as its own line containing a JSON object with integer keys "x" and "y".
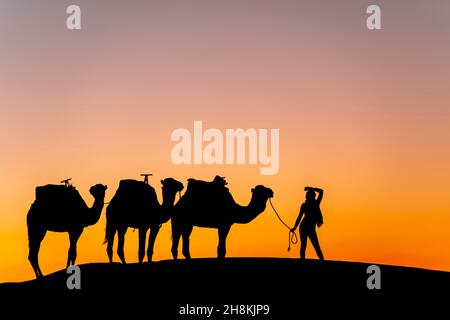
{"x": 363, "y": 114}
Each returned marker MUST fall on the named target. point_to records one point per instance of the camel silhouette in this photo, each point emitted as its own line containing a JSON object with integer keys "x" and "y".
{"x": 61, "y": 208}
{"x": 211, "y": 205}
{"x": 136, "y": 205}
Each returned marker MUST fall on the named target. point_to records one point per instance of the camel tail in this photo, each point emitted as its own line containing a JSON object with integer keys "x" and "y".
{"x": 110, "y": 231}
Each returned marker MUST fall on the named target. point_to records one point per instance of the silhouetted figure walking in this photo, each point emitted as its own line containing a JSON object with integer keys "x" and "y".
{"x": 312, "y": 216}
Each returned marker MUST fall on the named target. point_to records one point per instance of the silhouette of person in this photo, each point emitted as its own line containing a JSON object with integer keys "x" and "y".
{"x": 312, "y": 216}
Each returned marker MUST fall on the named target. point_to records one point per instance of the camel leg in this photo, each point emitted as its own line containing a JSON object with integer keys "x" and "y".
{"x": 120, "y": 245}
{"x": 110, "y": 234}
{"x": 223, "y": 233}
{"x": 176, "y": 234}
{"x": 35, "y": 237}
{"x": 142, "y": 237}
{"x": 109, "y": 250}
{"x": 151, "y": 241}
{"x": 74, "y": 235}
{"x": 186, "y": 234}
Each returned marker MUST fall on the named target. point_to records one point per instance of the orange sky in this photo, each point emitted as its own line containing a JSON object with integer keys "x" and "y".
{"x": 364, "y": 115}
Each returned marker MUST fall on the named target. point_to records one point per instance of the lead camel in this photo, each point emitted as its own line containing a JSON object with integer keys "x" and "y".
{"x": 211, "y": 205}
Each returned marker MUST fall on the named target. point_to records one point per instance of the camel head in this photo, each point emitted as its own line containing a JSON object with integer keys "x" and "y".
{"x": 98, "y": 191}
{"x": 171, "y": 185}
{"x": 220, "y": 181}
{"x": 262, "y": 192}
{"x": 260, "y": 195}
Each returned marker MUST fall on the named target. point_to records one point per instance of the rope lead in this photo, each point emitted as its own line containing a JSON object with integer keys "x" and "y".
{"x": 292, "y": 236}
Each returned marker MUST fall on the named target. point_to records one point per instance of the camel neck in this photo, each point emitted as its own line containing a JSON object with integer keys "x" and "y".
{"x": 250, "y": 212}
{"x": 257, "y": 205}
{"x": 98, "y": 204}
{"x": 95, "y": 211}
{"x": 168, "y": 199}
{"x": 167, "y": 205}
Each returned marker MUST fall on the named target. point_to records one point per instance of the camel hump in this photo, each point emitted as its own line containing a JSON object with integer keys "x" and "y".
{"x": 53, "y": 190}
{"x": 58, "y": 193}
{"x": 198, "y": 189}
{"x": 134, "y": 185}
{"x": 130, "y": 183}
{"x": 218, "y": 181}
{"x": 134, "y": 189}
